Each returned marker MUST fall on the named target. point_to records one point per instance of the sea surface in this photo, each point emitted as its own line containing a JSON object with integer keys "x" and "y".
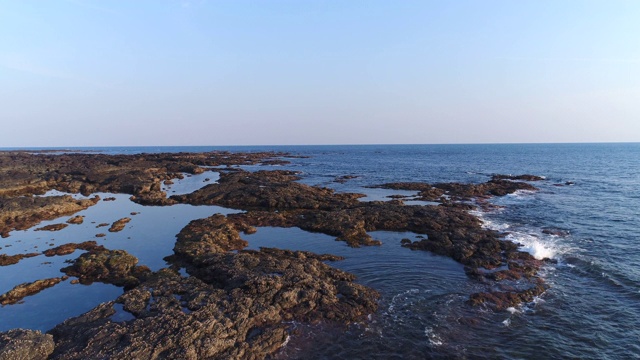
{"x": 586, "y": 217}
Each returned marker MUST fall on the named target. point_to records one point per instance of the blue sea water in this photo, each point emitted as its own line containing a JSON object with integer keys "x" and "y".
{"x": 590, "y": 199}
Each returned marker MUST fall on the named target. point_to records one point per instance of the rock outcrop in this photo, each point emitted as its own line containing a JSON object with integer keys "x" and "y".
{"x": 108, "y": 266}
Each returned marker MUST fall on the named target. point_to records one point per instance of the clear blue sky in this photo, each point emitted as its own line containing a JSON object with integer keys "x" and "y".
{"x": 98, "y": 73}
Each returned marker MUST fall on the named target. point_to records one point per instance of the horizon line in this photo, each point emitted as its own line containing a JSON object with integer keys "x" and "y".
{"x": 319, "y": 144}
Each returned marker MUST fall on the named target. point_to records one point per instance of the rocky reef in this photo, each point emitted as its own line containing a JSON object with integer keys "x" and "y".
{"x": 216, "y": 299}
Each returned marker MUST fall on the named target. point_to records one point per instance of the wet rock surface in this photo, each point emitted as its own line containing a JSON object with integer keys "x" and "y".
{"x": 25, "y": 344}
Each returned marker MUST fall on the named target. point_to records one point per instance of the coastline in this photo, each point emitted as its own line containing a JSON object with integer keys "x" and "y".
{"x": 275, "y": 198}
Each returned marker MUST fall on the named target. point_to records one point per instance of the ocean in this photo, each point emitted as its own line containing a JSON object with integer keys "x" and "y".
{"x": 586, "y": 217}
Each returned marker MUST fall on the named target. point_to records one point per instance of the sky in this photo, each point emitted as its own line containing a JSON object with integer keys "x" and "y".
{"x": 288, "y": 72}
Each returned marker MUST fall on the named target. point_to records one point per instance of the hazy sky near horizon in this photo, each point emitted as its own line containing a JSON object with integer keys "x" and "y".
{"x": 237, "y": 72}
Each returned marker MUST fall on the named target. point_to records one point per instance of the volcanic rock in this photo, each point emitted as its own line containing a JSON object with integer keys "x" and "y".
{"x": 20, "y": 344}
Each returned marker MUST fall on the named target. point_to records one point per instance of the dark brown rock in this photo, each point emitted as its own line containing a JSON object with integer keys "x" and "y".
{"x": 21, "y": 213}
{"x": 500, "y": 300}
{"x": 23, "y": 290}
{"x": 266, "y": 190}
{"x": 52, "y": 227}
{"x": 76, "y": 220}
{"x": 6, "y": 260}
{"x": 207, "y": 236}
{"x": 21, "y": 344}
{"x": 119, "y": 224}
{"x": 66, "y": 249}
{"x": 108, "y": 266}
{"x": 236, "y": 306}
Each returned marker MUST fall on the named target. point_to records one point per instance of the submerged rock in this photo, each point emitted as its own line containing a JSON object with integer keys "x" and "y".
{"x": 524, "y": 177}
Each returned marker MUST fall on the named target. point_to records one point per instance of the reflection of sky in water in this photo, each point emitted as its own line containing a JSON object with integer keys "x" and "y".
{"x": 388, "y": 268}
{"x": 190, "y": 183}
{"x": 149, "y": 236}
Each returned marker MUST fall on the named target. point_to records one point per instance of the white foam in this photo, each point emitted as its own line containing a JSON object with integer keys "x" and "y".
{"x": 434, "y": 339}
{"x": 400, "y": 298}
{"x": 521, "y": 193}
{"x": 533, "y": 245}
{"x": 286, "y": 341}
{"x": 512, "y": 310}
{"x": 488, "y": 224}
{"x": 507, "y": 322}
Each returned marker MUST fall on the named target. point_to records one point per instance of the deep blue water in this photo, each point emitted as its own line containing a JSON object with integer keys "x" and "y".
{"x": 591, "y": 311}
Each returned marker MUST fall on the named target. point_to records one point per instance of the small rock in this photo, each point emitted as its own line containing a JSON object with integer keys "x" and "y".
{"x": 52, "y": 227}
{"x": 76, "y": 220}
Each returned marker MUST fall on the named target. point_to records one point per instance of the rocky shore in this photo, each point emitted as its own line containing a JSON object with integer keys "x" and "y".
{"x": 215, "y": 299}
